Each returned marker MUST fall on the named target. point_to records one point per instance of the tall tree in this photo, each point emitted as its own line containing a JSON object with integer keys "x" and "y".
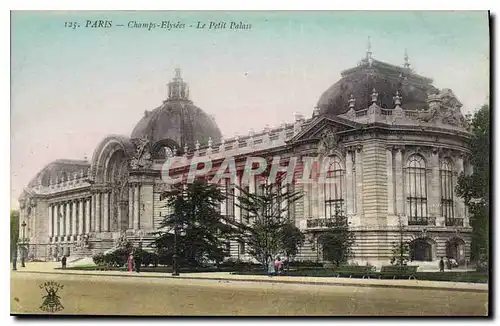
{"x": 14, "y": 231}
{"x": 475, "y": 188}
{"x": 266, "y": 215}
{"x": 338, "y": 239}
{"x": 401, "y": 249}
{"x": 291, "y": 240}
{"x": 196, "y": 223}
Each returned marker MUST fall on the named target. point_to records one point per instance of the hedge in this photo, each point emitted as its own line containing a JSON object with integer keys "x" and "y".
{"x": 470, "y": 277}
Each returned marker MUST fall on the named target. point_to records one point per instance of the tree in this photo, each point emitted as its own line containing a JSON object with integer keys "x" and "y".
{"x": 266, "y": 218}
{"x": 401, "y": 249}
{"x": 475, "y": 188}
{"x": 337, "y": 240}
{"x": 291, "y": 240}
{"x": 14, "y": 231}
{"x": 202, "y": 232}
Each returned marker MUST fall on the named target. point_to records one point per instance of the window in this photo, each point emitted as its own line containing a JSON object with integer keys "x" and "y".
{"x": 333, "y": 188}
{"x": 416, "y": 191}
{"x": 446, "y": 176}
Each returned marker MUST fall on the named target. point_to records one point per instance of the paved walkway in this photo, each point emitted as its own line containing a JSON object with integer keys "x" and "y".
{"x": 50, "y": 268}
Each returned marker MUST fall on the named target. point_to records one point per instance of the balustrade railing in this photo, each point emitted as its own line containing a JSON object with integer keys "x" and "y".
{"x": 422, "y": 221}
{"x": 454, "y": 222}
{"x": 319, "y": 222}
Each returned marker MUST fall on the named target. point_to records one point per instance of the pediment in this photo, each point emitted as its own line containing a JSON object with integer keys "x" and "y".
{"x": 318, "y": 127}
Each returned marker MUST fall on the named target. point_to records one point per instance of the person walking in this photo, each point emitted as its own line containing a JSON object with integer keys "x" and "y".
{"x": 14, "y": 261}
{"x": 441, "y": 265}
{"x": 137, "y": 262}
{"x": 130, "y": 262}
{"x": 277, "y": 265}
{"x": 63, "y": 262}
{"x": 270, "y": 266}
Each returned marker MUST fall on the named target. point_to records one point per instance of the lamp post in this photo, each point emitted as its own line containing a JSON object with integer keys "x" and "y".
{"x": 22, "y": 245}
{"x": 175, "y": 267}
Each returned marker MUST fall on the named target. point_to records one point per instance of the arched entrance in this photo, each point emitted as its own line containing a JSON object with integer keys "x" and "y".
{"x": 455, "y": 248}
{"x": 421, "y": 250}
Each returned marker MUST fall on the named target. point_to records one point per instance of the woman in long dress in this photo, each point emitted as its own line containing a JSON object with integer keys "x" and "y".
{"x": 130, "y": 262}
{"x": 270, "y": 266}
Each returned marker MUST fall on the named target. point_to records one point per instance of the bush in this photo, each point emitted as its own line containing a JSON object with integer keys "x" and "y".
{"x": 98, "y": 259}
{"x": 305, "y": 263}
{"x": 354, "y": 269}
{"x": 396, "y": 269}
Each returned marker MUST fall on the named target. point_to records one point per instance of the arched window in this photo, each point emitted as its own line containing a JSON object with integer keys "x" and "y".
{"x": 446, "y": 176}
{"x": 334, "y": 186}
{"x": 416, "y": 191}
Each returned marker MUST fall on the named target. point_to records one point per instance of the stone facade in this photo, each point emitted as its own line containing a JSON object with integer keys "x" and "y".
{"x": 393, "y": 164}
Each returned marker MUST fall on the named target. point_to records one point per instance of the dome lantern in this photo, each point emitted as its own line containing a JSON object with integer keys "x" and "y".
{"x": 177, "y": 88}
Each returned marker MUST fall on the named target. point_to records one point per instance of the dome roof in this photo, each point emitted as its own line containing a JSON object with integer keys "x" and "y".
{"x": 385, "y": 78}
{"x": 177, "y": 119}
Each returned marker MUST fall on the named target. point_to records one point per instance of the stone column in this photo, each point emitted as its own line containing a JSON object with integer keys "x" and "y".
{"x": 146, "y": 209}
{"x": 399, "y": 181}
{"x": 137, "y": 222}
{"x": 51, "y": 219}
{"x": 223, "y": 210}
{"x": 359, "y": 180}
{"x": 80, "y": 216}
{"x": 73, "y": 223}
{"x": 60, "y": 220}
{"x": 93, "y": 213}
{"x": 68, "y": 219}
{"x": 434, "y": 195}
{"x": 314, "y": 192}
{"x": 87, "y": 215}
{"x": 237, "y": 210}
{"x": 131, "y": 206}
{"x": 460, "y": 204}
{"x": 390, "y": 184}
{"x": 105, "y": 212}
{"x": 98, "y": 224}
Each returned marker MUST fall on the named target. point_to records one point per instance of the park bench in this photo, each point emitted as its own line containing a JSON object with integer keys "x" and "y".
{"x": 355, "y": 271}
{"x": 398, "y": 272}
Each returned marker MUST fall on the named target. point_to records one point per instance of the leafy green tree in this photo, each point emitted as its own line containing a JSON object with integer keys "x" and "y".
{"x": 291, "y": 240}
{"x": 14, "y": 231}
{"x": 338, "y": 239}
{"x": 202, "y": 232}
{"x": 475, "y": 188}
{"x": 401, "y": 249}
{"x": 266, "y": 219}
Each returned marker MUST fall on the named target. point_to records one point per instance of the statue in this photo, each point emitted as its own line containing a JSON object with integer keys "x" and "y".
{"x": 85, "y": 241}
{"x": 142, "y": 158}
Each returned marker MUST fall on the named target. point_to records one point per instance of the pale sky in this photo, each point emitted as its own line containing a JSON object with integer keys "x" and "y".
{"x": 71, "y": 88}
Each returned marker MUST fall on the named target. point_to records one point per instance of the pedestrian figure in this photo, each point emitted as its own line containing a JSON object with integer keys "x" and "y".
{"x": 130, "y": 262}
{"x": 14, "y": 263}
{"x": 270, "y": 266}
{"x": 277, "y": 265}
{"x": 441, "y": 265}
{"x": 448, "y": 263}
{"x": 137, "y": 262}
{"x": 63, "y": 262}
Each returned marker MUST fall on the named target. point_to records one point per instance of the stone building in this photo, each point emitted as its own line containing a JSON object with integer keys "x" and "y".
{"x": 397, "y": 142}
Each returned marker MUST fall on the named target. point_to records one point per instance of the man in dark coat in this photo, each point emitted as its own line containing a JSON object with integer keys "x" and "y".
{"x": 63, "y": 262}
{"x": 138, "y": 261}
{"x": 441, "y": 265}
